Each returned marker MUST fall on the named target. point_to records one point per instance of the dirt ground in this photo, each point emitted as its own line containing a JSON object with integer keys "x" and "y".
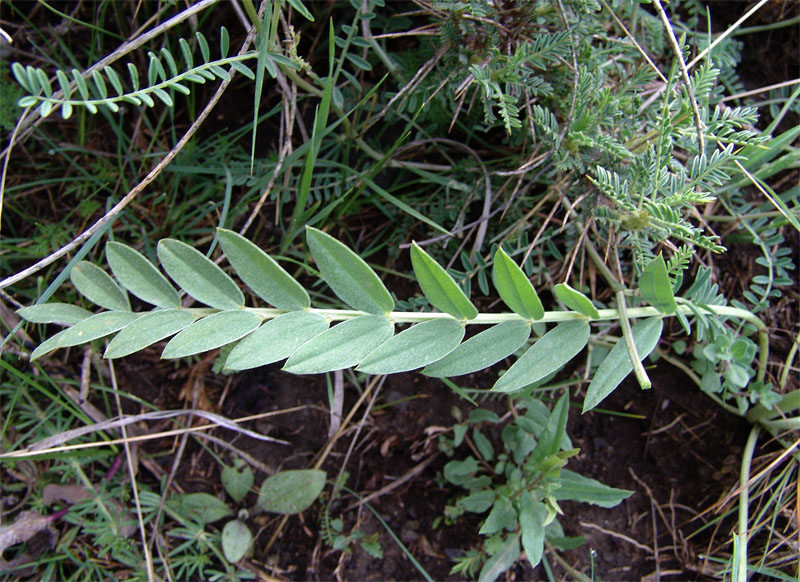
{"x": 675, "y": 448}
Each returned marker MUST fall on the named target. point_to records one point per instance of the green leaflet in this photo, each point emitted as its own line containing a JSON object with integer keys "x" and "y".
{"x": 237, "y": 480}
{"x": 48, "y": 345}
{"x": 576, "y": 487}
{"x": 98, "y": 287}
{"x": 483, "y": 350}
{"x": 140, "y": 276}
{"x": 198, "y": 275}
{"x": 532, "y": 515}
{"x": 236, "y": 540}
{"x": 350, "y": 277}
{"x": 576, "y": 300}
{"x": 342, "y": 346}
{"x": 554, "y": 349}
{"x": 501, "y": 561}
{"x": 95, "y": 327}
{"x": 62, "y": 313}
{"x": 617, "y": 364}
{"x": 261, "y": 273}
{"x": 502, "y": 516}
{"x": 554, "y": 432}
{"x": 147, "y": 330}
{"x": 415, "y": 347}
{"x": 276, "y": 340}
{"x": 514, "y": 287}
{"x": 291, "y": 491}
{"x": 439, "y": 287}
{"x": 656, "y": 288}
{"x": 201, "y": 508}
{"x": 211, "y": 332}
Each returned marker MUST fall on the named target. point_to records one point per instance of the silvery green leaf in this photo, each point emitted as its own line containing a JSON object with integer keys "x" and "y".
{"x": 48, "y": 345}
{"x": 617, "y": 364}
{"x": 211, "y": 332}
{"x": 342, "y": 346}
{"x": 198, "y": 275}
{"x": 531, "y": 520}
{"x": 514, "y": 288}
{"x": 95, "y": 327}
{"x": 98, "y": 287}
{"x": 201, "y": 508}
{"x": 501, "y": 561}
{"x": 414, "y": 348}
{"x": 481, "y": 351}
{"x": 62, "y": 313}
{"x": 350, "y": 277}
{"x": 554, "y": 349}
{"x": 439, "y": 287}
{"x": 502, "y": 516}
{"x": 554, "y": 433}
{"x": 236, "y": 540}
{"x": 140, "y": 276}
{"x": 261, "y": 273}
{"x": 575, "y": 487}
{"x": 576, "y": 300}
{"x": 237, "y": 481}
{"x": 290, "y": 492}
{"x": 276, "y": 340}
{"x": 152, "y": 327}
{"x": 656, "y": 287}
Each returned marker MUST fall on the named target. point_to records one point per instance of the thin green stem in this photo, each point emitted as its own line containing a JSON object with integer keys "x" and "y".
{"x": 627, "y": 334}
{"x": 493, "y": 318}
{"x": 740, "y": 555}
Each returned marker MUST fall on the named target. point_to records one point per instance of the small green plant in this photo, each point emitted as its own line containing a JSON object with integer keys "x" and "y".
{"x": 286, "y": 492}
{"x": 520, "y": 486}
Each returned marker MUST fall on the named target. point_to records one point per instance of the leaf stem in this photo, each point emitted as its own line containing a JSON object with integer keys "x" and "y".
{"x": 740, "y": 555}
{"x": 638, "y": 368}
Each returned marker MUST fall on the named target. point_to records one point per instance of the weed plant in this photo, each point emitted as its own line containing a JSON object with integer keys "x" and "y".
{"x": 563, "y": 175}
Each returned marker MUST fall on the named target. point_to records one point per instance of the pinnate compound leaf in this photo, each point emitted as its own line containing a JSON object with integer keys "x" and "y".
{"x": 95, "y": 327}
{"x": 501, "y": 561}
{"x": 342, "y": 346}
{"x": 617, "y": 364}
{"x": 276, "y": 340}
{"x": 439, "y": 287}
{"x": 554, "y": 349}
{"x": 414, "y": 348}
{"x": 198, "y": 275}
{"x": 261, "y": 273}
{"x": 211, "y": 332}
{"x": 150, "y": 328}
{"x": 531, "y": 520}
{"x": 140, "y": 276}
{"x": 575, "y": 487}
{"x": 350, "y": 277}
{"x": 62, "y": 313}
{"x": 98, "y": 287}
{"x": 514, "y": 287}
{"x": 576, "y": 300}
{"x": 236, "y": 540}
{"x": 656, "y": 287}
{"x": 291, "y": 491}
{"x": 481, "y": 351}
